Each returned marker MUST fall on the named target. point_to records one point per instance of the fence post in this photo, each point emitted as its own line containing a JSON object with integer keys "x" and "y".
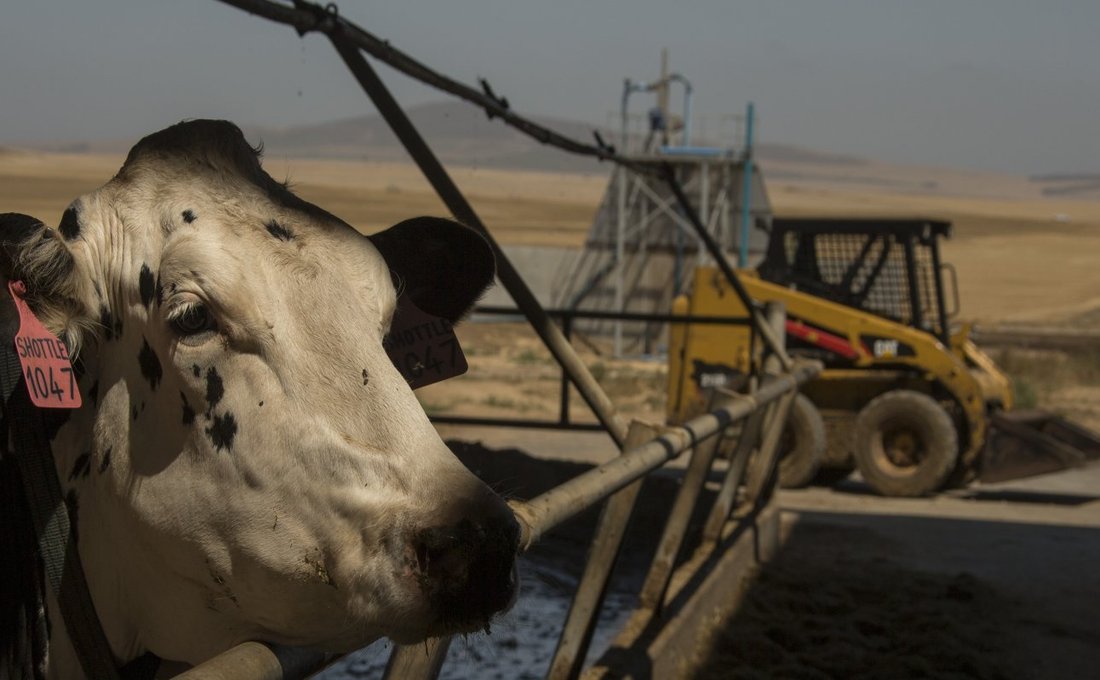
{"x": 563, "y": 408}
{"x": 727, "y": 495}
{"x": 576, "y": 635}
{"x": 660, "y": 570}
{"x": 762, "y": 467}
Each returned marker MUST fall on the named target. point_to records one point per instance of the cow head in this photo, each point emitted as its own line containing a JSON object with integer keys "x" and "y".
{"x": 248, "y": 463}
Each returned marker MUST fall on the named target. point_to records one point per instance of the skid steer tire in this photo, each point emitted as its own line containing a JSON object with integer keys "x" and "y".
{"x": 802, "y": 445}
{"x": 905, "y": 444}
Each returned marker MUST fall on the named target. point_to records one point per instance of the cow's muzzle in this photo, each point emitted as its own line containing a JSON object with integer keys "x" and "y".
{"x": 467, "y": 570}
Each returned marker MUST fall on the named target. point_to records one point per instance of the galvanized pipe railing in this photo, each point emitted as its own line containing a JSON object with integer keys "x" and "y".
{"x": 580, "y": 622}
{"x": 563, "y": 502}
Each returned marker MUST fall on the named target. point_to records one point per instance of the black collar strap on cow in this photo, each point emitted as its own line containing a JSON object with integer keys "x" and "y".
{"x": 26, "y": 427}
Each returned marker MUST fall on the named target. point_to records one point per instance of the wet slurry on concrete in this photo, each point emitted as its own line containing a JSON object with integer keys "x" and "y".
{"x": 522, "y": 641}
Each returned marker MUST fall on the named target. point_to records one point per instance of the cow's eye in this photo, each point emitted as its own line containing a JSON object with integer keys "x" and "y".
{"x": 193, "y": 320}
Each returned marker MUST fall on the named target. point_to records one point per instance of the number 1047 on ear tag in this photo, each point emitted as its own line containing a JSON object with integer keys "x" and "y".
{"x": 423, "y": 347}
{"x": 51, "y": 382}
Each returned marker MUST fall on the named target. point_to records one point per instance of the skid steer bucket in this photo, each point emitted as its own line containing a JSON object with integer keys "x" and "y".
{"x": 1026, "y": 442}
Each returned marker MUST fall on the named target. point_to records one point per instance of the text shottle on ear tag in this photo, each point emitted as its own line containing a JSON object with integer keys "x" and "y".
{"x": 51, "y": 382}
{"x": 423, "y": 347}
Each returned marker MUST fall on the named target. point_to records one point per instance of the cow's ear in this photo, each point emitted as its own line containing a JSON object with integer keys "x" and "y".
{"x": 441, "y": 265}
{"x": 35, "y": 254}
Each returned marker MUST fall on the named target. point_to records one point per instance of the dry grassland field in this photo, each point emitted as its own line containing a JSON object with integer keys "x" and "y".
{"x": 1022, "y": 257}
{"x": 963, "y": 597}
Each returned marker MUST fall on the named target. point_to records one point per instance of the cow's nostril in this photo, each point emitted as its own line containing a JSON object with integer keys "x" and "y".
{"x": 467, "y": 570}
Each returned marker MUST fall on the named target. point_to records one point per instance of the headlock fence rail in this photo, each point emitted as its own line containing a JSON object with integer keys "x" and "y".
{"x": 742, "y": 428}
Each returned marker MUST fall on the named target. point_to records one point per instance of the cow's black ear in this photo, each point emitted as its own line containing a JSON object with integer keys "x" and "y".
{"x": 441, "y": 265}
{"x": 16, "y": 232}
{"x": 35, "y": 254}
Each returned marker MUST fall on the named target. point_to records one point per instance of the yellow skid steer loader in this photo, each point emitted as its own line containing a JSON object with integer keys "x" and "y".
{"x": 910, "y": 400}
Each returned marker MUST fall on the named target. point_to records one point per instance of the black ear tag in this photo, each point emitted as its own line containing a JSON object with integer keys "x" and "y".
{"x": 423, "y": 347}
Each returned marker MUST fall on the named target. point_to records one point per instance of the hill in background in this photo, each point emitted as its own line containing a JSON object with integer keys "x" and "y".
{"x": 462, "y": 135}
{"x": 458, "y": 132}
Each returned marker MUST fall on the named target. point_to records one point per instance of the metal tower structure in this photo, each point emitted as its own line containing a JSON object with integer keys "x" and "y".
{"x": 641, "y": 248}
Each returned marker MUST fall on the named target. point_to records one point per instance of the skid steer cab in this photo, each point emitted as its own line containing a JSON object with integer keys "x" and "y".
{"x": 906, "y": 396}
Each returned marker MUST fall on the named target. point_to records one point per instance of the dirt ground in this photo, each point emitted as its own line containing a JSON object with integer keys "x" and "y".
{"x": 996, "y": 581}
{"x": 1000, "y": 584}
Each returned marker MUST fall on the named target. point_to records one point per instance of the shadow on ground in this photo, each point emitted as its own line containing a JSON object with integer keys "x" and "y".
{"x": 872, "y": 596}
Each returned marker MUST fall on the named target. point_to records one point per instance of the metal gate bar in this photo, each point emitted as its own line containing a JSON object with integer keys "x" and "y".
{"x": 559, "y": 504}
{"x": 672, "y": 539}
{"x": 727, "y": 495}
{"x": 456, "y": 202}
{"x": 758, "y": 483}
{"x": 580, "y": 622}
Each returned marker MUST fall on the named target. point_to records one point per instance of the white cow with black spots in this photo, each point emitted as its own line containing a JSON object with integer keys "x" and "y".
{"x": 248, "y": 464}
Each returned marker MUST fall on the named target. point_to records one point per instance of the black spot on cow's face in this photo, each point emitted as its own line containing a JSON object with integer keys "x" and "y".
{"x": 81, "y": 467}
{"x": 366, "y": 377}
{"x": 147, "y": 284}
{"x": 188, "y": 216}
{"x": 106, "y": 462}
{"x": 195, "y": 369}
{"x": 150, "y": 364}
{"x": 70, "y": 224}
{"x": 222, "y": 431}
{"x": 188, "y": 412}
{"x": 215, "y": 388}
{"x": 279, "y": 231}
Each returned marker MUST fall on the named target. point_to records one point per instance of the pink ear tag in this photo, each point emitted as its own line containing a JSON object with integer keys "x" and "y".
{"x": 423, "y": 347}
{"x": 45, "y": 359}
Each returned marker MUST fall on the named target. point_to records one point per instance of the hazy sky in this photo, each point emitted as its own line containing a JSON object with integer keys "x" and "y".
{"x": 1010, "y": 85}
